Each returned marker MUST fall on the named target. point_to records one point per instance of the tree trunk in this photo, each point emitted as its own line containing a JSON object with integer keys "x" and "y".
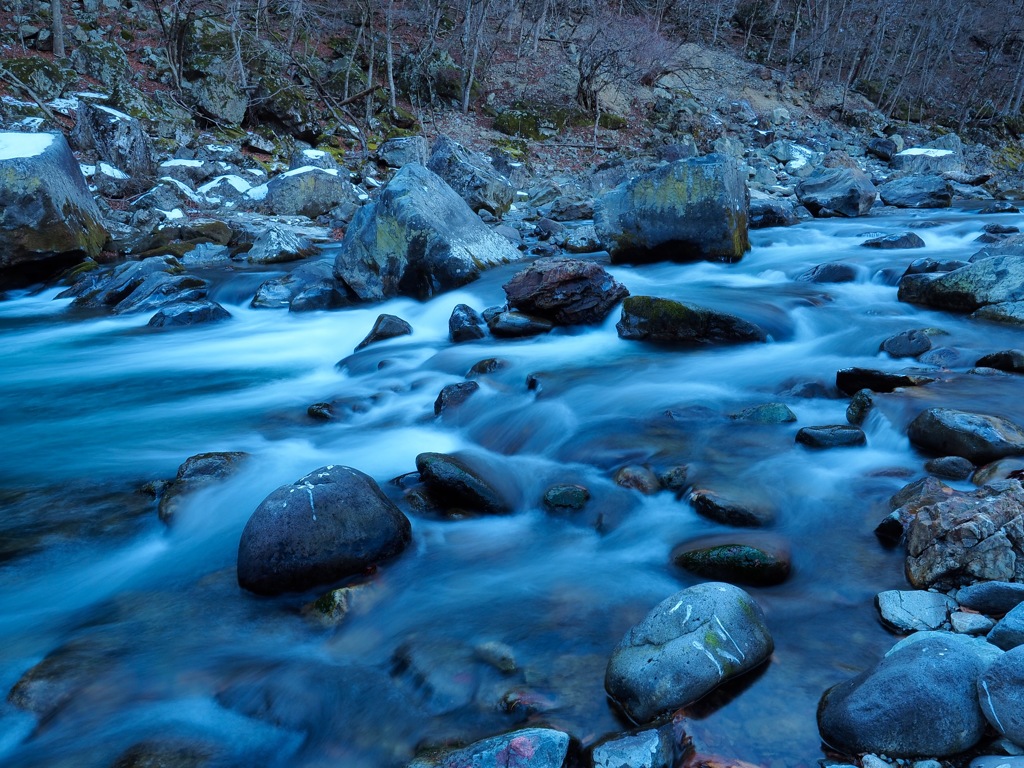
{"x": 57, "y": 19}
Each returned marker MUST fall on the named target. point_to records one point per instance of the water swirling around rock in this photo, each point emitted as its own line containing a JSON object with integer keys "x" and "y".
{"x": 143, "y": 633}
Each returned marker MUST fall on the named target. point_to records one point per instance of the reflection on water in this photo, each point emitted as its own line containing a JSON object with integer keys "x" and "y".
{"x": 141, "y": 634}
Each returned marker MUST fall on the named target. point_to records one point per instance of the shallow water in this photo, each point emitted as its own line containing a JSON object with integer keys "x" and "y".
{"x": 153, "y": 640}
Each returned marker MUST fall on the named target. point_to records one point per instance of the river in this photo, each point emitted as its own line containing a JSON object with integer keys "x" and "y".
{"x": 150, "y": 640}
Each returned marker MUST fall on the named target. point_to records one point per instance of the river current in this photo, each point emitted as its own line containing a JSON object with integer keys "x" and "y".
{"x": 148, "y": 638}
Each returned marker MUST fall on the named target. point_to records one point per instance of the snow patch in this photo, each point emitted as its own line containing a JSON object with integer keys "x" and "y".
{"x": 237, "y": 182}
{"x": 257, "y": 193}
{"x": 309, "y": 169}
{"x": 172, "y": 215}
{"x": 926, "y": 151}
{"x": 181, "y": 163}
{"x": 18, "y": 145}
{"x": 314, "y": 154}
{"x": 116, "y": 115}
{"x": 115, "y": 173}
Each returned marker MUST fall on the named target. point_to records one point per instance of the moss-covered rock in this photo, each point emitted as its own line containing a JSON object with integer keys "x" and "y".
{"x": 736, "y": 563}
{"x": 49, "y": 78}
{"x": 103, "y": 61}
{"x": 210, "y": 81}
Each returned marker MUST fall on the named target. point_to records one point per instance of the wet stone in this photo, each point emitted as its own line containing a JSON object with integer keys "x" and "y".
{"x": 1010, "y": 360}
{"x": 566, "y": 498}
{"x": 907, "y": 344}
{"x": 951, "y": 467}
{"x": 831, "y": 436}
{"x": 454, "y": 395}
{"x": 686, "y": 647}
{"x": 835, "y": 272}
{"x": 728, "y": 512}
{"x": 535, "y": 747}
{"x": 517, "y": 325}
{"x": 197, "y": 472}
{"x": 454, "y": 484}
{"x": 905, "y": 240}
{"x": 852, "y": 380}
{"x": 465, "y": 324}
{"x": 675, "y": 479}
{"x": 320, "y": 412}
{"x": 736, "y": 563}
{"x": 768, "y": 413}
{"x": 639, "y": 479}
{"x": 386, "y": 327}
{"x": 914, "y": 610}
{"x": 484, "y": 367}
{"x": 859, "y": 407}
{"x": 977, "y": 437}
{"x": 653, "y": 748}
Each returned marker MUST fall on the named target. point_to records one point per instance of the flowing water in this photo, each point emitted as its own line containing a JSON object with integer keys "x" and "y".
{"x": 148, "y": 639}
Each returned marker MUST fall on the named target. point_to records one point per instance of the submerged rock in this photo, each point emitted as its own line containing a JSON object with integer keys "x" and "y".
{"x": 453, "y": 395}
{"x": 465, "y": 324}
{"x": 565, "y": 291}
{"x": 881, "y": 710}
{"x": 197, "y": 472}
{"x": 332, "y": 523}
{"x": 728, "y": 511}
{"x": 893, "y": 242}
{"x": 648, "y": 318}
{"x": 688, "y": 210}
{"x": 831, "y": 436}
{"x": 530, "y": 747}
{"x": 687, "y": 646}
{"x": 188, "y": 313}
{"x": 456, "y": 485}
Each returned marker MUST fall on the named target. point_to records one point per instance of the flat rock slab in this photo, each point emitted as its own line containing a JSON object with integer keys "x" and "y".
{"x": 913, "y": 610}
{"x": 528, "y": 748}
{"x": 831, "y": 436}
{"x": 686, "y": 647}
{"x": 852, "y": 380}
{"x": 880, "y": 710}
{"x": 977, "y": 437}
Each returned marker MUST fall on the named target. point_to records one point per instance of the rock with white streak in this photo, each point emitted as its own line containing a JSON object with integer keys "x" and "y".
{"x": 686, "y": 647}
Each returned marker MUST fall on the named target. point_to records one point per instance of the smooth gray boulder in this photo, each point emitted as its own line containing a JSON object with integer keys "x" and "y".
{"x": 533, "y": 747}
{"x": 1009, "y": 631}
{"x": 688, "y": 210}
{"x": 957, "y": 538}
{"x": 565, "y": 291}
{"x": 277, "y": 244}
{"x": 837, "y": 192}
{"x": 977, "y": 437}
{"x": 914, "y": 610}
{"x": 1001, "y": 692}
{"x": 998, "y": 279}
{"x": 472, "y": 177}
{"x": 648, "y": 318}
{"x": 418, "y": 239}
{"x": 686, "y": 647}
{"x": 332, "y": 523}
{"x": 882, "y": 710}
{"x": 992, "y": 597}
{"x": 48, "y": 218}
{"x": 917, "y": 192}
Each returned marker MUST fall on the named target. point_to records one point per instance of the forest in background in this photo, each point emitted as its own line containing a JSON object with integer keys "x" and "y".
{"x": 956, "y": 63}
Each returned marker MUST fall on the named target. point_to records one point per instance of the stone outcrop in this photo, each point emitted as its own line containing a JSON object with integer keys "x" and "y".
{"x": 48, "y": 219}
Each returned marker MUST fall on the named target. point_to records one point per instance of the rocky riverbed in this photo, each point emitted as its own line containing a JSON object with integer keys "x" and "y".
{"x": 700, "y": 459}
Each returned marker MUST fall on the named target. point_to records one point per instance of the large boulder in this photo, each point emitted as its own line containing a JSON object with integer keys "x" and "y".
{"x": 917, "y": 192}
{"x": 472, "y": 177}
{"x": 565, "y": 291}
{"x": 956, "y": 537}
{"x": 306, "y": 191}
{"x": 418, "y": 239}
{"x": 648, "y": 318}
{"x": 922, "y": 160}
{"x": 48, "y": 219}
{"x": 688, "y": 210}
{"x": 995, "y": 280}
{"x": 976, "y": 437}
{"x": 837, "y": 192}
{"x": 919, "y": 700}
{"x": 332, "y": 523}
{"x": 113, "y": 136}
{"x": 686, "y": 647}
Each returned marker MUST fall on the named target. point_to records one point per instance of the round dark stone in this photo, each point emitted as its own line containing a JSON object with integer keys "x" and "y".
{"x": 831, "y": 436}
{"x": 563, "y": 498}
